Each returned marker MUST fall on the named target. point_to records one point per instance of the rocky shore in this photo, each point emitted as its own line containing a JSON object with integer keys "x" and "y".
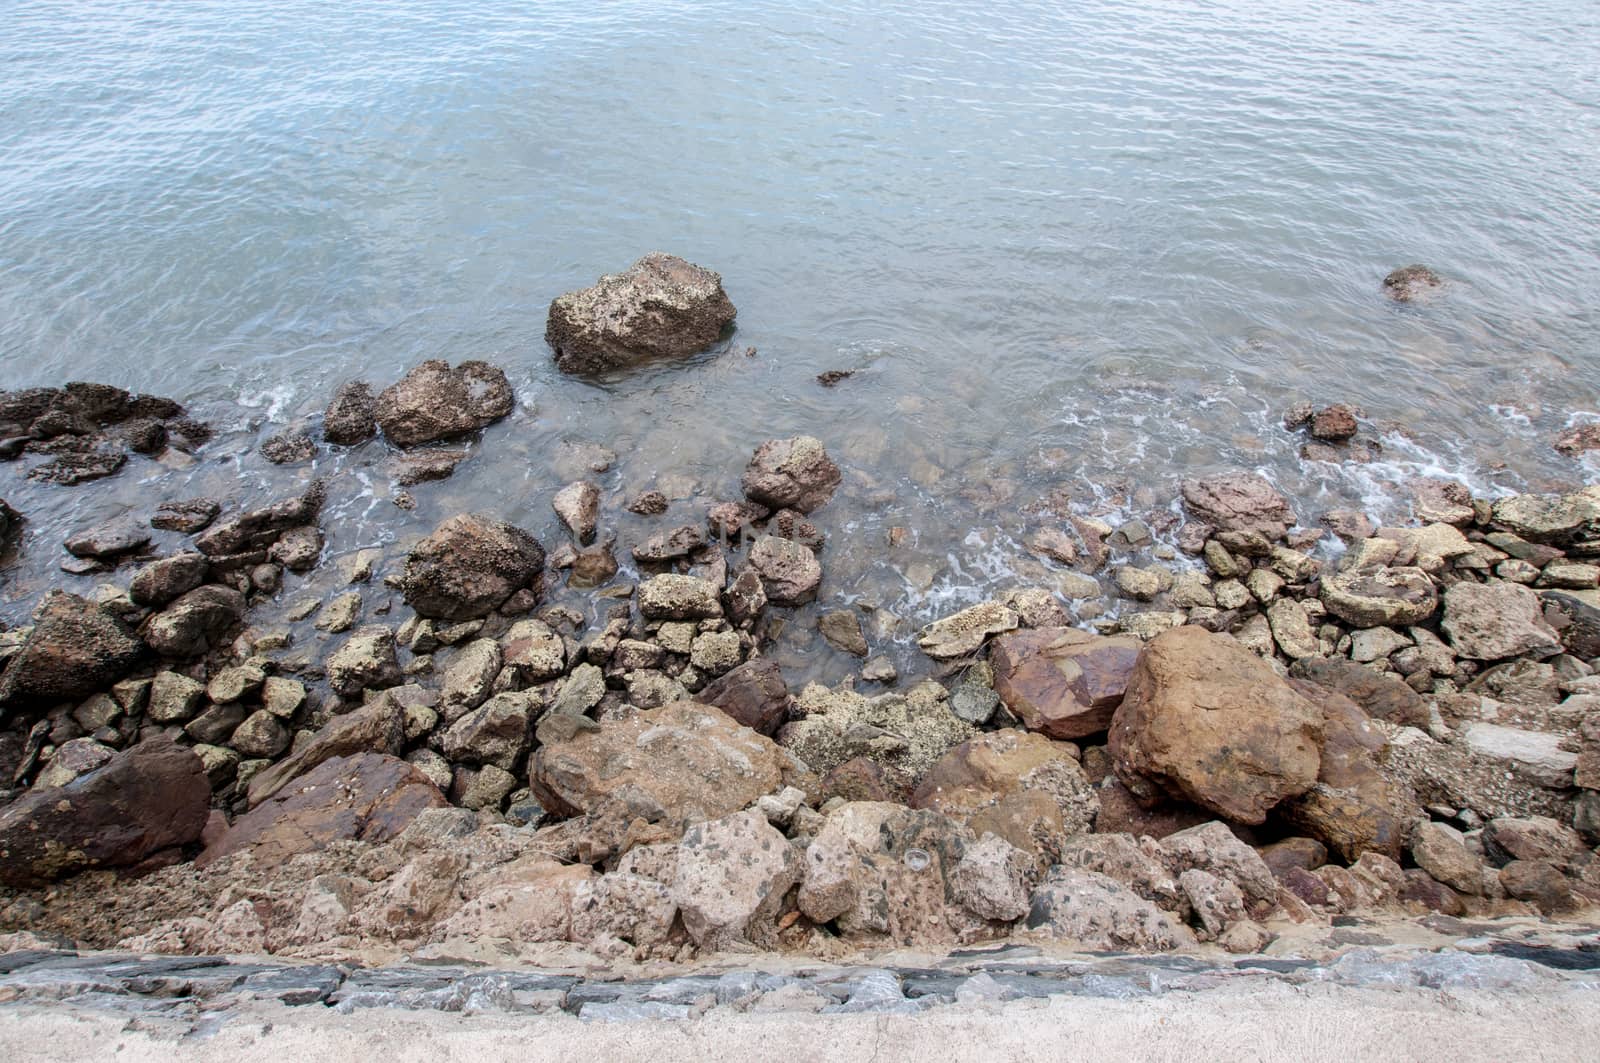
{"x": 1264, "y": 719}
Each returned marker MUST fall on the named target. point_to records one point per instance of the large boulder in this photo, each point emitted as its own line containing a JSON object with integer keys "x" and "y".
{"x": 1207, "y": 721}
{"x": 434, "y": 401}
{"x": 659, "y": 307}
{"x": 369, "y": 797}
{"x": 1019, "y": 786}
{"x": 1239, "y": 502}
{"x": 682, "y": 763}
{"x": 152, "y": 797}
{"x": 905, "y": 732}
{"x": 75, "y": 648}
{"x": 1558, "y": 520}
{"x": 1060, "y": 681}
{"x": 1492, "y": 621}
{"x": 469, "y": 566}
{"x": 731, "y": 878}
{"x": 1094, "y": 911}
{"x": 791, "y": 474}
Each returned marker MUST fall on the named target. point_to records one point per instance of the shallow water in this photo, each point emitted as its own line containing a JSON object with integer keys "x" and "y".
{"x": 1097, "y": 246}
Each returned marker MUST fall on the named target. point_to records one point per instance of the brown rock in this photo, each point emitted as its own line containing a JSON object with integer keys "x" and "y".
{"x": 859, "y": 779}
{"x": 376, "y": 727}
{"x": 1382, "y": 696}
{"x": 469, "y": 566}
{"x": 1122, "y": 813}
{"x": 1206, "y": 720}
{"x": 1335, "y": 423}
{"x": 1240, "y": 502}
{"x": 75, "y": 649}
{"x": 152, "y": 797}
{"x": 1063, "y": 682}
{"x": 660, "y": 307}
{"x": 790, "y": 572}
{"x": 368, "y": 797}
{"x": 349, "y": 418}
{"x": 754, "y": 694}
{"x": 791, "y": 474}
{"x": 434, "y": 401}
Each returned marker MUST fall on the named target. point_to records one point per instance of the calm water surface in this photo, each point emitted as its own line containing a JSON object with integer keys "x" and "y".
{"x": 1091, "y": 246}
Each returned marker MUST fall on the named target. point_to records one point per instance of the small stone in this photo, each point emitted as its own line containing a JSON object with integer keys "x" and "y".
{"x": 341, "y": 613}
{"x": 174, "y": 698}
{"x": 235, "y": 683}
{"x": 282, "y": 697}
{"x": 578, "y": 506}
{"x": 288, "y": 448}
{"x": 260, "y": 735}
{"x": 842, "y": 630}
{"x": 716, "y": 652}
{"x": 649, "y": 504}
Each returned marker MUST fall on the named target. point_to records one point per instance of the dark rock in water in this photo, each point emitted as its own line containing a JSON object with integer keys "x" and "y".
{"x": 754, "y": 693}
{"x": 288, "y": 448}
{"x": 860, "y": 779}
{"x": 592, "y": 567}
{"x": 1335, "y": 424}
{"x": 787, "y": 524}
{"x": 649, "y": 504}
{"x": 1577, "y": 439}
{"x": 195, "y": 622}
{"x": 10, "y": 521}
{"x": 108, "y": 540}
{"x": 155, "y": 796}
{"x": 1382, "y": 696}
{"x": 842, "y": 630}
{"x": 578, "y": 506}
{"x": 1239, "y": 502}
{"x": 660, "y": 307}
{"x": 349, "y": 418}
{"x": 188, "y": 516}
{"x": 426, "y": 466}
{"x": 434, "y": 401}
{"x": 469, "y": 566}
{"x": 161, "y": 581}
{"x": 1411, "y": 282}
{"x": 680, "y": 542}
{"x": 789, "y": 572}
{"x": 76, "y": 648}
{"x": 258, "y": 529}
{"x": 368, "y": 797}
{"x": 1575, "y": 616}
{"x": 141, "y": 435}
{"x": 728, "y": 520}
{"x": 833, "y": 376}
{"x": 71, "y": 469}
{"x": 791, "y": 474}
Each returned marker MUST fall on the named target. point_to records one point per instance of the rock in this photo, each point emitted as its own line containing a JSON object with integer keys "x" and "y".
{"x": 72, "y": 759}
{"x": 789, "y": 572}
{"x": 1539, "y": 884}
{"x": 349, "y": 418}
{"x": 728, "y": 520}
{"x": 1570, "y": 576}
{"x": 288, "y": 448}
{"x": 674, "y": 597}
{"x": 1207, "y": 721}
{"x": 188, "y": 516}
{"x": 496, "y": 733}
{"x": 1493, "y": 621}
{"x": 842, "y": 630}
{"x": 1019, "y": 786}
{"x": 994, "y": 879}
{"x": 1335, "y": 423}
{"x": 745, "y": 598}
{"x": 1380, "y": 597}
{"x": 160, "y": 582}
{"x": 297, "y": 549}
{"x": 340, "y": 614}
{"x": 282, "y": 697}
{"x": 1239, "y": 501}
{"x": 108, "y": 540}
{"x": 1441, "y": 501}
{"x": 260, "y": 735}
{"x": 1441, "y": 851}
{"x": 369, "y": 797}
{"x": 1408, "y": 283}
{"x": 1055, "y": 544}
{"x": 965, "y": 632}
{"x": 682, "y": 763}
{"x": 1138, "y": 863}
{"x": 213, "y": 726}
{"x": 154, "y": 796}
{"x": 1575, "y": 616}
{"x": 1143, "y": 584}
{"x": 1375, "y": 644}
{"x": 75, "y": 648}
{"x": 660, "y": 307}
{"x": 592, "y": 567}
{"x": 1291, "y": 629}
{"x": 1380, "y": 695}
{"x": 425, "y": 466}
{"x": 880, "y": 670}
{"x": 1556, "y": 520}
{"x": 1216, "y": 903}
{"x": 1578, "y": 439}
{"x": 973, "y": 699}
{"x": 433, "y": 402}
{"x": 1507, "y": 838}
{"x": 366, "y": 660}
{"x": 579, "y": 692}
{"x": 791, "y": 474}
{"x": 376, "y": 727}
{"x": 754, "y": 694}
{"x": 669, "y": 546}
{"x": 1094, "y": 911}
{"x": 534, "y": 650}
{"x": 1214, "y": 848}
{"x": 1121, "y": 812}
{"x": 731, "y": 878}
{"x": 469, "y": 567}
{"x": 882, "y": 870}
{"x": 649, "y": 504}
{"x": 578, "y": 506}
{"x": 1063, "y": 682}
{"x": 71, "y": 469}
{"x": 255, "y": 531}
{"x": 906, "y": 733}
{"x": 469, "y": 677}
{"x": 174, "y": 698}
{"x": 715, "y": 652}
{"x": 1534, "y": 755}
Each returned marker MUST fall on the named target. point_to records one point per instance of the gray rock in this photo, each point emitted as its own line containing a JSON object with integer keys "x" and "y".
{"x": 660, "y": 307}
{"x": 578, "y": 506}
{"x": 434, "y": 401}
{"x": 1493, "y": 621}
{"x": 791, "y": 474}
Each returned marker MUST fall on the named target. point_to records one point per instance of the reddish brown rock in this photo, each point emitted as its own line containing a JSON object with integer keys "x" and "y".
{"x": 659, "y": 307}
{"x": 1207, "y": 721}
{"x": 434, "y": 401}
{"x": 1380, "y": 695}
{"x": 1334, "y": 423}
{"x": 469, "y": 566}
{"x": 859, "y": 779}
{"x": 368, "y": 797}
{"x": 791, "y": 474}
{"x": 376, "y": 727}
{"x": 753, "y": 693}
{"x": 1122, "y": 813}
{"x": 1239, "y": 502}
{"x": 152, "y": 797}
{"x": 75, "y": 649}
{"x": 1063, "y": 682}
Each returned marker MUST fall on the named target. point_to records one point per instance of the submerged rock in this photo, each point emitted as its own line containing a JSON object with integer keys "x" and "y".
{"x": 350, "y": 418}
{"x": 660, "y": 307}
{"x": 578, "y": 506}
{"x": 434, "y": 401}
{"x": 1408, "y": 283}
